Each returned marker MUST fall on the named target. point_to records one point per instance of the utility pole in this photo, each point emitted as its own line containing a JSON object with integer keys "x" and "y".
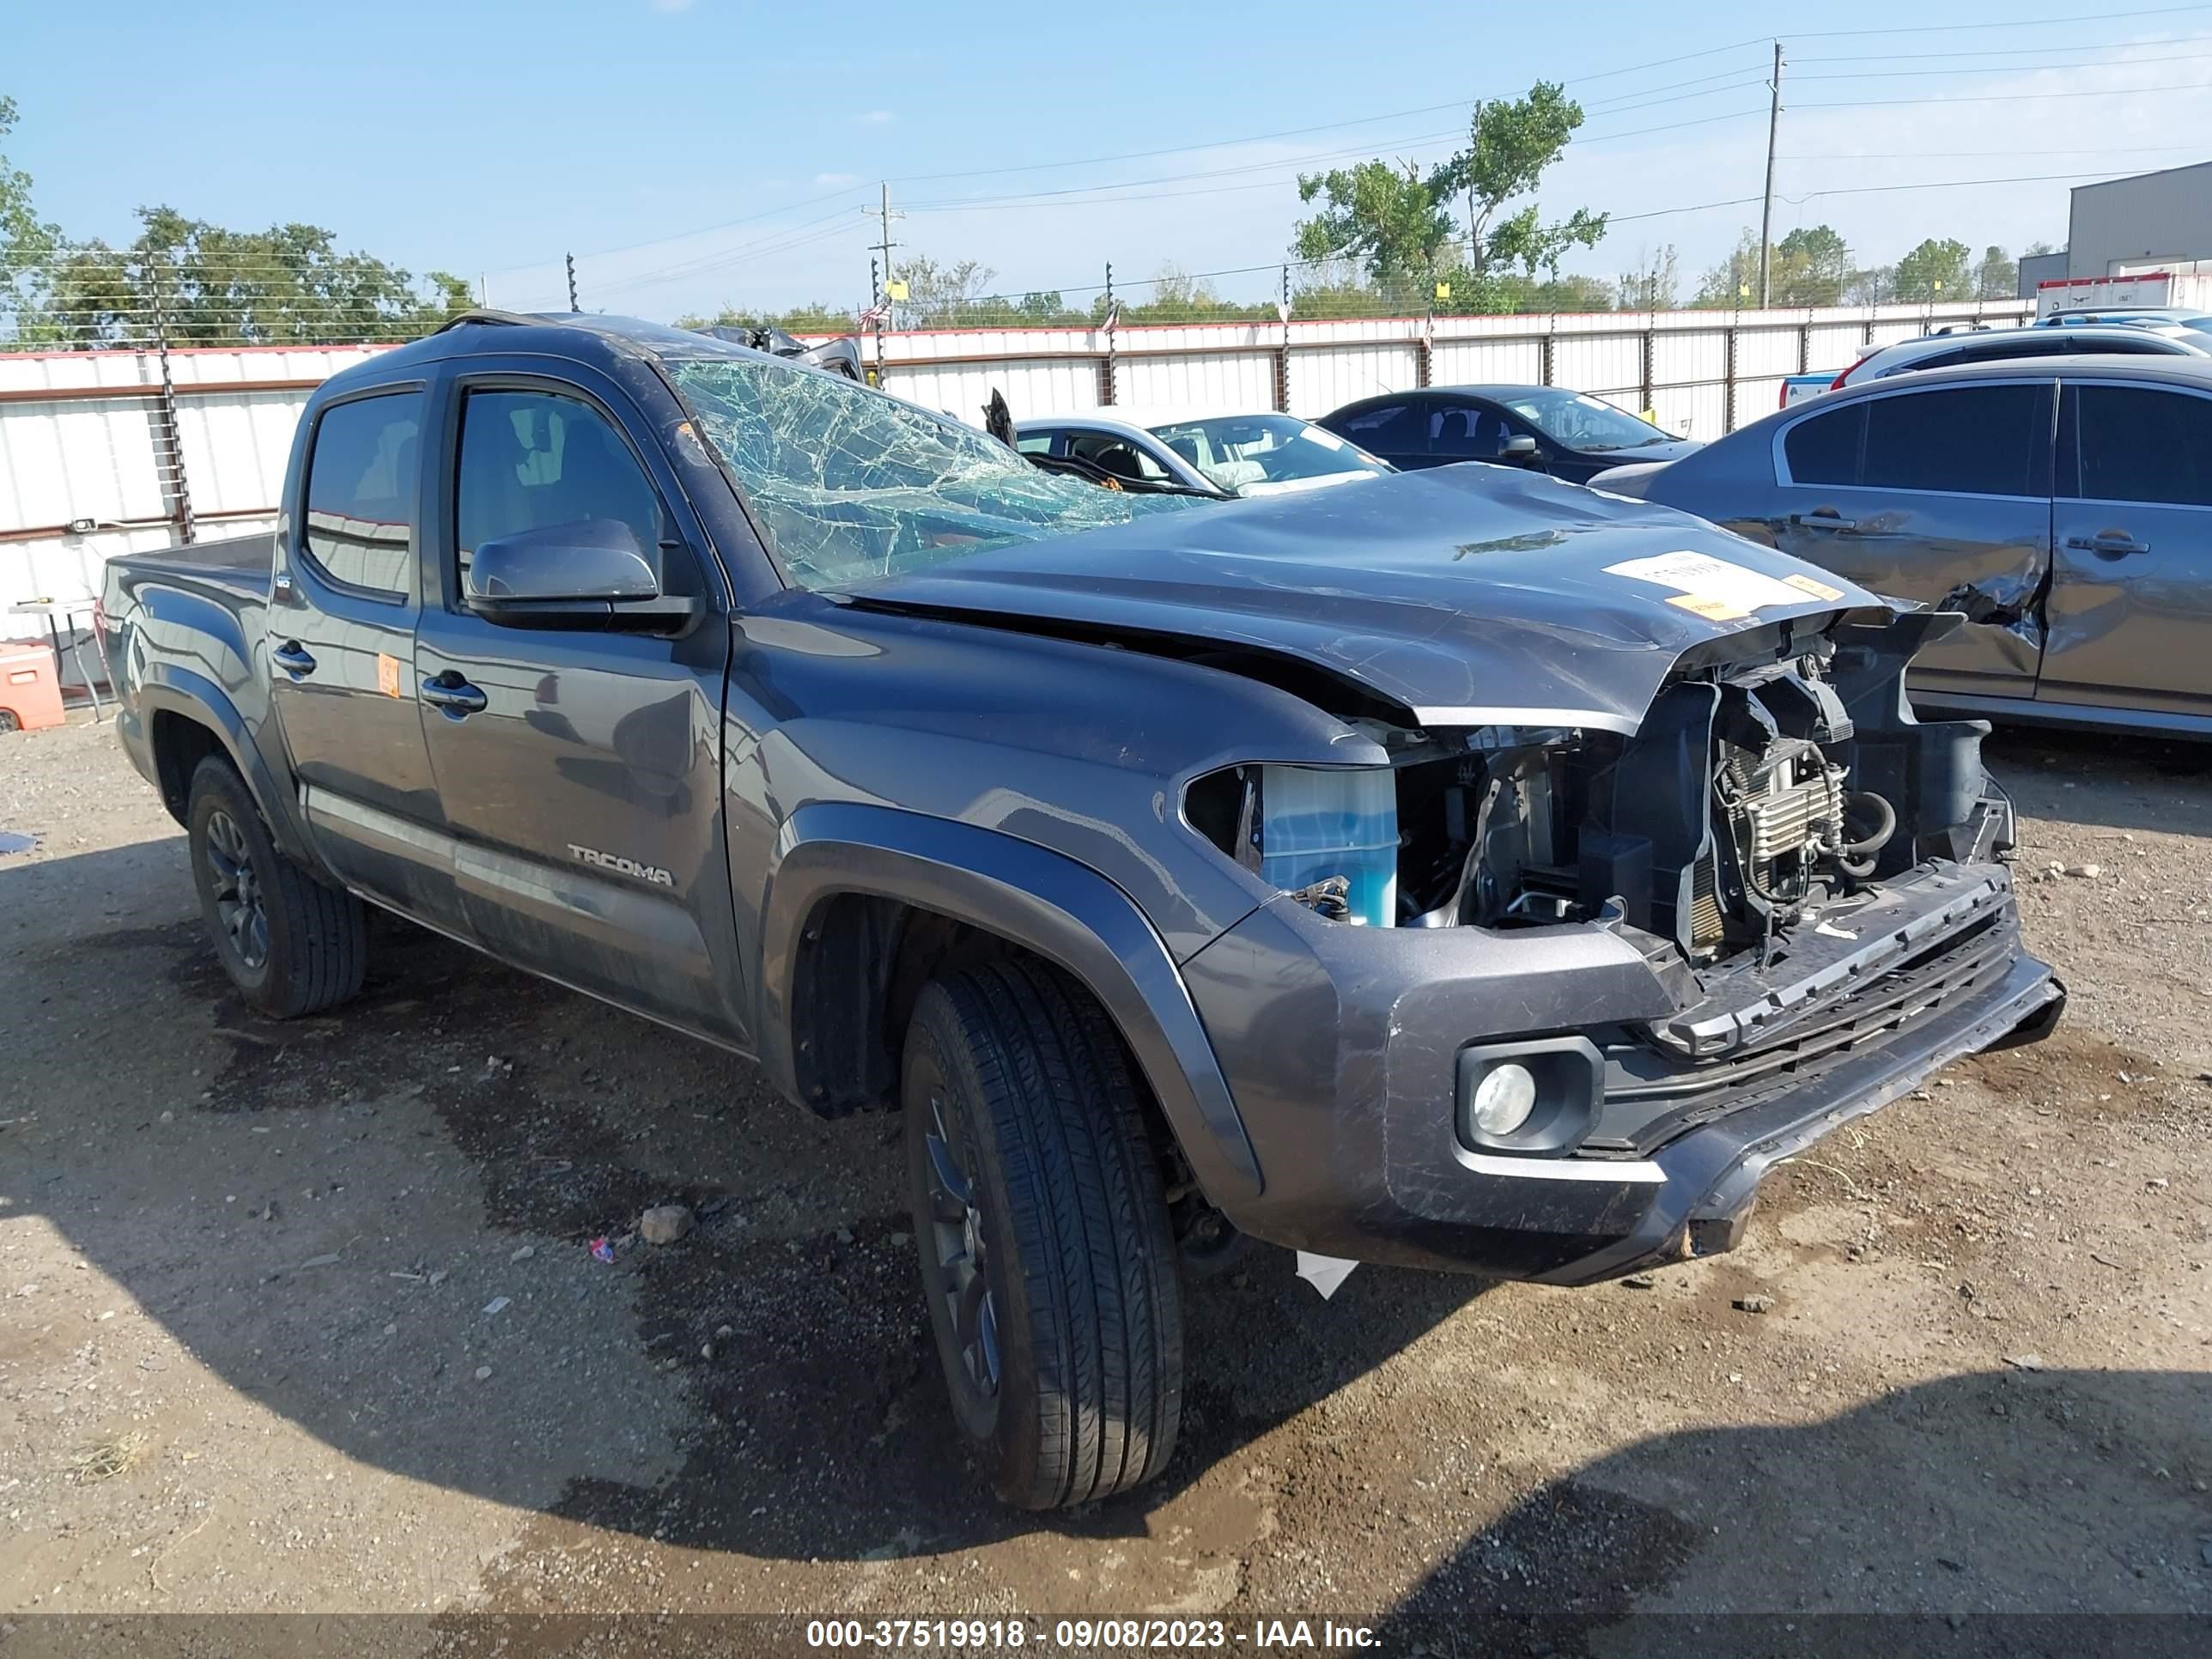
{"x": 1766, "y": 210}
{"x": 884, "y": 216}
{"x": 571, "y": 258}
{"x": 1474, "y": 142}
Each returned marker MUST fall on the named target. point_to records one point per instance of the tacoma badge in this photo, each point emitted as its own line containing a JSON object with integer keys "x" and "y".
{"x": 651, "y": 872}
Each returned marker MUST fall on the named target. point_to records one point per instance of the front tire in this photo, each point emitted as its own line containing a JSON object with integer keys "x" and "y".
{"x": 290, "y": 945}
{"x": 1046, "y": 1258}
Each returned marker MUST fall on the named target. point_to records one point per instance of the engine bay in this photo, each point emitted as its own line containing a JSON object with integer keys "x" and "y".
{"x": 1757, "y": 792}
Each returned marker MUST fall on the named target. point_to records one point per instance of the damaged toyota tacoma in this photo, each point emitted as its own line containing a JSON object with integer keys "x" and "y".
{"x": 1466, "y": 871}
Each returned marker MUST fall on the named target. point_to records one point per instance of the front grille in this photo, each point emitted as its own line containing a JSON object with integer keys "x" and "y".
{"x": 1652, "y": 1094}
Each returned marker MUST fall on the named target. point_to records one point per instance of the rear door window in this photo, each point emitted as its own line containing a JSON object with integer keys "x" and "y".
{"x": 1969, "y": 440}
{"x": 1824, "y": 449}
{"x": 1383, "y": 429}
{"x": 1467, "y": 432}
{"x": 359, "y": 529}
{"x": 2138, "y": 443}
{"x": 1116, "y": 455}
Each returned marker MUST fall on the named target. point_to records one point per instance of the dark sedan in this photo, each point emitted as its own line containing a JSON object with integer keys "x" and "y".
{"x": 1572, "y": 435}
{"x": 2063, "y": 505}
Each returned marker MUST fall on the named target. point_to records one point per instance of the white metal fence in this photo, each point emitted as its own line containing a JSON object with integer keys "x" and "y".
{"x": 99, "y": 456}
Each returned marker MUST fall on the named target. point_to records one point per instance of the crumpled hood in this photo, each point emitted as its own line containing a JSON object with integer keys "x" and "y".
{"x": 1469, "y": 595}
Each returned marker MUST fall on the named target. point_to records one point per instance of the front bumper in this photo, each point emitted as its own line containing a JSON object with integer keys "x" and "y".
{"x": 1339, "y": 1045}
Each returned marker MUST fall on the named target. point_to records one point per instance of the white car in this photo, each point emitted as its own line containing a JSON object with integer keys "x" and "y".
{"x": 1260, "y": 454}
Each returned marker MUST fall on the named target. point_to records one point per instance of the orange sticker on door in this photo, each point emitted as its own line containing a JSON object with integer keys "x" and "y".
{"x": 387, "y": 675}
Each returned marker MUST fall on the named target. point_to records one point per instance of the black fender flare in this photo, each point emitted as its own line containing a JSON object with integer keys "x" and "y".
{"x": 1063, "y": 911}
{"x": 170, "y": 689}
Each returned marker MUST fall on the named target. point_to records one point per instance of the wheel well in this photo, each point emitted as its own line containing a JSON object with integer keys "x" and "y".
{"x": 179, "y": 744}
{"x": 862, "y": 962}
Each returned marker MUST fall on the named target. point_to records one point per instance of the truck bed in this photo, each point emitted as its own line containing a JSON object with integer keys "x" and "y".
{"x": 238, "y": 565}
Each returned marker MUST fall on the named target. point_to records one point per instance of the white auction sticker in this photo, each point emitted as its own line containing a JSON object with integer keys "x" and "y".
{"x": 1718, "y": 590}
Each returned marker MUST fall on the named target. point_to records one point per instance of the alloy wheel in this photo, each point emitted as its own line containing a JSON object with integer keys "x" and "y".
{"x": 237, "y": 888}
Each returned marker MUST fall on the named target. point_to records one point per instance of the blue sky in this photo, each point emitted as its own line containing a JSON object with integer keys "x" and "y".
{"x": 692, "y": 152}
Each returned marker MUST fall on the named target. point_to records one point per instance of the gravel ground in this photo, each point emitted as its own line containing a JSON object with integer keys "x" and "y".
{"x": 305, "y": 1319}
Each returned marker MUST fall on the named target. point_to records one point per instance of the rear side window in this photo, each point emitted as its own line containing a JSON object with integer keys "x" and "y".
{"x": 1466, "y": 431}
{"x": 2137, "y": 444}
{"x": 1384, "y": 426}
{"x": 360, "y": 530}
{"x": 1825, "y": 449}
{"x": 531, "y": 461}
{"x": 1979, "y": 441}
{"x": 1115, "y": 455}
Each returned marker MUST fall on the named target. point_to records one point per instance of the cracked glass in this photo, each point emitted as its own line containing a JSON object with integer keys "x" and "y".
{"x": 852, "y": 485}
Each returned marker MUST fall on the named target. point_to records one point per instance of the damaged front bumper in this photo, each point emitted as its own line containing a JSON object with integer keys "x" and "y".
{"x": 1343, "y": 1047}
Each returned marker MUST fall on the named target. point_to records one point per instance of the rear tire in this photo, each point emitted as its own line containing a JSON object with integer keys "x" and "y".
{"x": 1046, "y": 1258}
{"x": 290, "y": 945}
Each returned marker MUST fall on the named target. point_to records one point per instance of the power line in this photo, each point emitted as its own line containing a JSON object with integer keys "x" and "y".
{"x": 2010, "y": 52}
{"x": 1178, "y": 149}
{"x": 2009, "y": 23}
{"x": 2012, "y": 97}
{"x": 2103, "y": 63}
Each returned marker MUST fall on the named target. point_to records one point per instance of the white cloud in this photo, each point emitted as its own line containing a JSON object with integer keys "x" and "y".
{"x": 836, "y": 180}
{"x": 875, "y": 118}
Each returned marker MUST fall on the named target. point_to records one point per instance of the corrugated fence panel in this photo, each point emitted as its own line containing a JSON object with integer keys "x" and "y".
{"x": 1224, "y": 381}
{"x": 78, "y": 459}
{"x": 1766, "y": 353}
{"x": 1835, "y": 346}
{"x": 1329, "y": 377}
{"x": 1487, "y": 363}
{"x": 1034, "y": 386}
{"x": 236, "y": 447}
{"x": 1599, "y": 362}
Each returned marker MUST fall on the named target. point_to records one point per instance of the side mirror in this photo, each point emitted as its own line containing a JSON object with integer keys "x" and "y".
{"x": 588, "y": 574}
{"x": 1521, "y": 451}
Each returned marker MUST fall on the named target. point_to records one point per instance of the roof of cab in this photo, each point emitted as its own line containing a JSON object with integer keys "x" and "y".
{"x": 590, "y": 337}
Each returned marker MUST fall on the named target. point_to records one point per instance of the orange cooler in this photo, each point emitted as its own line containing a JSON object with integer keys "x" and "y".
{"x": 29, "y": 696}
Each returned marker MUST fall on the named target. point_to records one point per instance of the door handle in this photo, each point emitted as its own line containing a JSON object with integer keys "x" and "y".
{"x": 2110, "y": 543}
{"x": 1824, "y": 517}
{"x": 292, "y": 660}
{"x": 450, "y": 692}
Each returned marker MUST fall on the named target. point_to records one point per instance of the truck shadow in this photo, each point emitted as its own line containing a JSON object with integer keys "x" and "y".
{"x": 285, "y": 1200}
{"x": 1991, "y": 1513}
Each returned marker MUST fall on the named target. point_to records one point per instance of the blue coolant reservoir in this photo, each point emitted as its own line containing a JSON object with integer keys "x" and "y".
{"x": 1317, "y": 822}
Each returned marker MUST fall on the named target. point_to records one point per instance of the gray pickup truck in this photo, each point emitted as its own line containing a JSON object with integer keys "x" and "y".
{"x": 1465, "y": 870}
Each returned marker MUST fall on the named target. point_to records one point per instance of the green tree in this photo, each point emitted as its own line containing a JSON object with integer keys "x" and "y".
{"x": 1997, "y": 276}
{"x": 1401, "y": 226}
{"x": 1735, "y": 281}
{"x": 943, "y": 294}
{"x": 1655, "y": 283}
{"x": 1935, "y": 270}
{"x": 1387, "y": 220}
{"x": 1810, "y": 266}
{"x": 27, "y": 248}
{"x": 1514, "y": 142}
{"x": 816, "y": 318}
{"x": 210, "y": 286}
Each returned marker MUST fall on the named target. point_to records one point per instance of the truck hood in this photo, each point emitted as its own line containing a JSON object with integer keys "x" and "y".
{"x": 1467, "y": 595}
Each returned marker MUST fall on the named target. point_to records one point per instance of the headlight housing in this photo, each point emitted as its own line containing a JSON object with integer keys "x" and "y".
{"x": 1301, "y": 826}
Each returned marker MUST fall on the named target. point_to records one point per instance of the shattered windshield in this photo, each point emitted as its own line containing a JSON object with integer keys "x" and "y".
{"x": 852, "y": 485}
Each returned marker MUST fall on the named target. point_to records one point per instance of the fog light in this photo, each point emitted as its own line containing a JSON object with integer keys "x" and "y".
{"x": 1504, "y": 1099}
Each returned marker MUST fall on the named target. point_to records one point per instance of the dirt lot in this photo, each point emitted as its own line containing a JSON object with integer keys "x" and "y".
{"x": 305, "y": 1319}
